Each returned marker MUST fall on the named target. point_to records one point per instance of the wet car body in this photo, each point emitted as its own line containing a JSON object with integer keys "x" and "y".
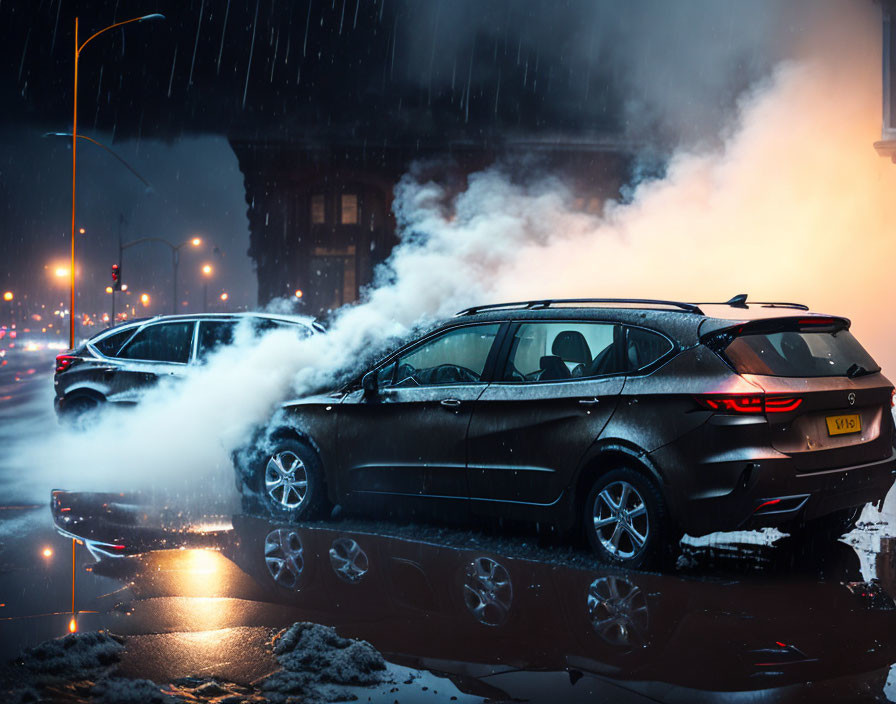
{"x": 529, "y": 449}
{"x": 119, "y": 364}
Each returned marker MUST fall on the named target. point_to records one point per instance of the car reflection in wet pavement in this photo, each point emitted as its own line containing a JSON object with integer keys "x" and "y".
{"x": 732, "y": 623}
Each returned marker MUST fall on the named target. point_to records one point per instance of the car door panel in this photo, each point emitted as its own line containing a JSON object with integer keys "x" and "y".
{"x": 557, "y": 388}
{"x": 526, "y": 440}
{"x": 409, "y": 439}
{"x": 132, "y": 376}
{"x": 407, "y": 442}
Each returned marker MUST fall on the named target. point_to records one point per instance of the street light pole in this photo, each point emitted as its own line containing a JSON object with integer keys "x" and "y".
{"x": 207, "y": 272}
{"x": 71, "y": 317}
{"x": 78, "y": 49}
{"x": 175, "y": 258}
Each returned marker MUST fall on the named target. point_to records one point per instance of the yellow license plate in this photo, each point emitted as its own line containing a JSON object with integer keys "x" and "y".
{"x": 840, "y": 425}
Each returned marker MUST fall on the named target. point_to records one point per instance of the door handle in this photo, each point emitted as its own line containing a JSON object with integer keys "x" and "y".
{"x": 589, "y": 401}
{"x": 450, "y": 402}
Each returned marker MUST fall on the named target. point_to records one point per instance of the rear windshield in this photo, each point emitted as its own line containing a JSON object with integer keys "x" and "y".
{"x": 800, "y": 354}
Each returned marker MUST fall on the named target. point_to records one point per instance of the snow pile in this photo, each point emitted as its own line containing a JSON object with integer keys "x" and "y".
{"x": 119, "y": 690}
{"x": 317, "y": 665}
{"x": 76, "y": 655}
{"x": 78, "y": 667}
{"x": 316, "y": 661}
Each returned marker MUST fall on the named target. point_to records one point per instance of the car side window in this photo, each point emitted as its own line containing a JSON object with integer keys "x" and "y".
{"x": 457, "y": 356}
{"x": 644, "y": 347}
{"x": 385, "y": 375}
{"x": 213, "y": 334}
{"x": 110, "y": 344}
{"x": 563, "y": 350}
{"x": 261, "y": 326}
{"x": 164, "y": 342}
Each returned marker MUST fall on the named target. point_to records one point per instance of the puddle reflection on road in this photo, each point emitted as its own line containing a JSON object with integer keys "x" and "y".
{"x": 732, "y": 624}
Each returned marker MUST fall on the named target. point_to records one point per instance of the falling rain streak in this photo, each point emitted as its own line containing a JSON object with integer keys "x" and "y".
{"x": 196, "y": 42}
{"x": 223, "y": 34}
{"x": 171, "y": 77}
{"x": 251, "y": 51}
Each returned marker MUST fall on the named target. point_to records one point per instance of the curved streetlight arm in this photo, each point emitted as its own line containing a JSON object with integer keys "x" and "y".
{"x": 154, "y": 16}
{"x": 174, "y": 247}
{"x": 149, "y": 239}
{"x": 103, "y": 146}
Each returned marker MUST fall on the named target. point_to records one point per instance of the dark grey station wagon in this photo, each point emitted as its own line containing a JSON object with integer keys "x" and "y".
{"x": 633, "y": 420}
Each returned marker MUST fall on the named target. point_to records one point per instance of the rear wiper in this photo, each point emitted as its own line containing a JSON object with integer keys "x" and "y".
{"x": 856, "y": 370}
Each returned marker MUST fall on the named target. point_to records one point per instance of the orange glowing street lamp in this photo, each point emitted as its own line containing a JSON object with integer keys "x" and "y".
{"x": 144, "y": 299}
{"x": 8, "y": 296}
{"x": 207, "y": 273}
{"x": 78, "y": 49}
{"x": 175, "y": 259}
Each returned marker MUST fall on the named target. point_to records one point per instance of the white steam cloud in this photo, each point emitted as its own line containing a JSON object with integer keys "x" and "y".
{"x": 795, "y": 205}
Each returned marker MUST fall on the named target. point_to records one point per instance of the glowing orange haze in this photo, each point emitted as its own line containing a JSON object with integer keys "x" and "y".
{"x": 796, "y": 206}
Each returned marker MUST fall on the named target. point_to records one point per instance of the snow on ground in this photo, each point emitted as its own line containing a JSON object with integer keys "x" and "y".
{"x": 317, "y": 665}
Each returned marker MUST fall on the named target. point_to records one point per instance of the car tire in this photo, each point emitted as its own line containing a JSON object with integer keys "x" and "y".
{"x": 627, "y": 522}
{"x": 289, "y": 481}
{"x": 79, "y": 412}
{"x": 826, "y": 529}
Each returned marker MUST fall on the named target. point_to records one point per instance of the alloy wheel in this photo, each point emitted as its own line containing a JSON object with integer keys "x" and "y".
{"x": 285, "y": 480}
{"x": 349, "y": 561}
{"x": 621, "y": 522}
{"x": 618, "y": 611}
{"x": 284, "y": 557}
{"x": 488, "y": 591}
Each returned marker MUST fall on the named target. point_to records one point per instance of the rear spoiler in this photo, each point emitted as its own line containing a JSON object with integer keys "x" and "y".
{"x": 720, "y": 337}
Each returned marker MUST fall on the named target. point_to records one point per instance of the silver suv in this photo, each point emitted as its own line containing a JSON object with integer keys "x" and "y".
{"x": 119, "y": 364}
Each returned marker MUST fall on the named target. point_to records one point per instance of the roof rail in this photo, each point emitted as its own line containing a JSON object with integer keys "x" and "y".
{"x": 740, "y": 301}
{"x": 547, "y": 303}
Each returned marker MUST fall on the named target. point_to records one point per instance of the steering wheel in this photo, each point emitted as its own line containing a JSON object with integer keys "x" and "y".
{"x": 404, "y": 373}
{"x": 447, "y": 373}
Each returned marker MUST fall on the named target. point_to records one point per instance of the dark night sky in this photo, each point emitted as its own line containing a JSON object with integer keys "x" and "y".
{"x": 196, "y": 190}
{"x": 166, "y": 95}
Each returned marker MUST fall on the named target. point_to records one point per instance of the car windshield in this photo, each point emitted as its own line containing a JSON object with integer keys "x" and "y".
{"x": 800, "y": 354}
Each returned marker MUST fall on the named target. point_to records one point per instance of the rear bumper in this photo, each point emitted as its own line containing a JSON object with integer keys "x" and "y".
{"x": 769, "y": 492}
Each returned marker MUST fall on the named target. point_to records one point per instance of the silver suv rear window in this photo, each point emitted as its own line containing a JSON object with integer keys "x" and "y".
{"x": 800, "y": 354}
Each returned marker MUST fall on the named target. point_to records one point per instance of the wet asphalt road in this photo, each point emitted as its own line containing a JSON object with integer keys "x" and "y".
{"x": 472, "y": 615}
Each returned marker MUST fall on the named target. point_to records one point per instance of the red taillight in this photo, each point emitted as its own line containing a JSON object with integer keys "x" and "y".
{"x": 782, "y": 404}
{"x": 64, "y": 361}
{"x": 749, "y": 403}
{"x": 733, "y": 404}
{"x": 771, "y": 502}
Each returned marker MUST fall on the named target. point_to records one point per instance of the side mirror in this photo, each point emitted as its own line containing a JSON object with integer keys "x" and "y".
{"x": 370, "y": 384}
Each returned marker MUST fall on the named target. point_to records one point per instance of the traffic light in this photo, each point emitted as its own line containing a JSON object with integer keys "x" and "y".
{"x": 116, "y": 277}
